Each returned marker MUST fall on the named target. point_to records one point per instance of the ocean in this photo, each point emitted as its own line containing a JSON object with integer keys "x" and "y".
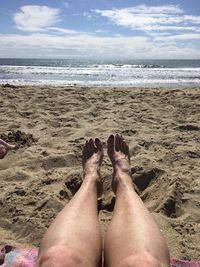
{"x": 83, "y": 72}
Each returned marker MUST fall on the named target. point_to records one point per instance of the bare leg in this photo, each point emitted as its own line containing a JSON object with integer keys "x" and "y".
{"x": 133, "y": 237}
{"x": 74, "y": 239}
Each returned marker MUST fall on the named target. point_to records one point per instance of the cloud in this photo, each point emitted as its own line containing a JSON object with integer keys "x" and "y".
{"x": 152, "y": 18}
{"x": 183, "y": 37}
{"x": 36, "y": 18}
{"x": 144, "y": 9}
{"x": 87, "y": 45}
{"x": 62, "y": 31}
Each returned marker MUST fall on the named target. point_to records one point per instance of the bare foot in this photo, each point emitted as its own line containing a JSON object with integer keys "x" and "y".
{"x": 118, "y": 152}
{"x": 92, "y": 159}
{"x": 4, "y": 148}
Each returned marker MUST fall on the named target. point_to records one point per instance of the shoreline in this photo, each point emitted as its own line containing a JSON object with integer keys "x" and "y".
{"x": 147, "y": 87}
{"x": 101, "y": 72}
{"x": 100, "y": 87}
{"x": 162, "y": 129}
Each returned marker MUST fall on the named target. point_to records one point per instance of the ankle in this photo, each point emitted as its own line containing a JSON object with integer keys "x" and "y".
{"x": 91, "y": 177}
{"x": 91, "y": 172}
{"x": 94, "y": 182}
{"x": 121, "y": 180}
{"x": 122, "y": 172}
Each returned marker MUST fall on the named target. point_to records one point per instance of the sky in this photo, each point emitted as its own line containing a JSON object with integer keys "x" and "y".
{"x": 130, "y": 29}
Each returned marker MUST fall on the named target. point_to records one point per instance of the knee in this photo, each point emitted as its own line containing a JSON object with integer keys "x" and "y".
{"x": 59, "y": 256}
{"x": 144, "y": 259}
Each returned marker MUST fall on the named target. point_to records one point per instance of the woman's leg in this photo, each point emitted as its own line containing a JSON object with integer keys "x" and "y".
{"x": 74, "y": 239}
{"x": 133, "y": 237}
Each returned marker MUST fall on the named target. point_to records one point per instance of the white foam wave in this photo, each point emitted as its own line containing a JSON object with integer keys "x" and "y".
{"x": 105, "y": 75}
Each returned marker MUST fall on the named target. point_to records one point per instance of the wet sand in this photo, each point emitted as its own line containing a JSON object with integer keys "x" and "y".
{"x": 50, "y": 125}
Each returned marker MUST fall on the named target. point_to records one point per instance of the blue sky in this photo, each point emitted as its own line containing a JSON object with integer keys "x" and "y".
{"x": 153, "y": 29}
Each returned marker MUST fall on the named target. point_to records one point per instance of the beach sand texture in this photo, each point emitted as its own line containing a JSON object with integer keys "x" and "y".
{"x": 161, "y": 127}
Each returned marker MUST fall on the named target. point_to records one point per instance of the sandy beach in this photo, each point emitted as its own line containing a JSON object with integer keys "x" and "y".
{"x": 50, "y": 126}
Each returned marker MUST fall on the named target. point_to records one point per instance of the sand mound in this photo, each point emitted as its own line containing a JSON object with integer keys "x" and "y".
{"x": 19, "y": 138}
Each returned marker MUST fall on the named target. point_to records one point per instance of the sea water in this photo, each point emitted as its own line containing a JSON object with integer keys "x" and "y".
{"x": 83, "y": 72}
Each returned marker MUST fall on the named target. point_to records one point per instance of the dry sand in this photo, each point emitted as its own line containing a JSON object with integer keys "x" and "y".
{"x": 163, "y": 132}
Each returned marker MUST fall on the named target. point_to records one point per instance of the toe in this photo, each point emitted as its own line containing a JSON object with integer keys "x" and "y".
{"x": 98, "y": 144}
{"x": 11, "y": 146}
{"x": 110, "y": 144}
{"x": 85, "y": 151}
{"x": 86, "y": 147}
{"x": 92, "y": 146}
{"x": 127, "y": 150}
{"x": 117, "y": 142}
{"x": 123, "y": 145}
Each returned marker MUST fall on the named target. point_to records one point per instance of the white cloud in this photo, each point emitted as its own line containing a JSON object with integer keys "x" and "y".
{"x": 184, "y": 37}
{"x": 143, "y": 9}
{"x": 163, "y": 29}
{"x": 86, "y": 45}
{"x": 62, "y": 31}
{"x": 36, "y": 18}
{"x": 152, "y": 18}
